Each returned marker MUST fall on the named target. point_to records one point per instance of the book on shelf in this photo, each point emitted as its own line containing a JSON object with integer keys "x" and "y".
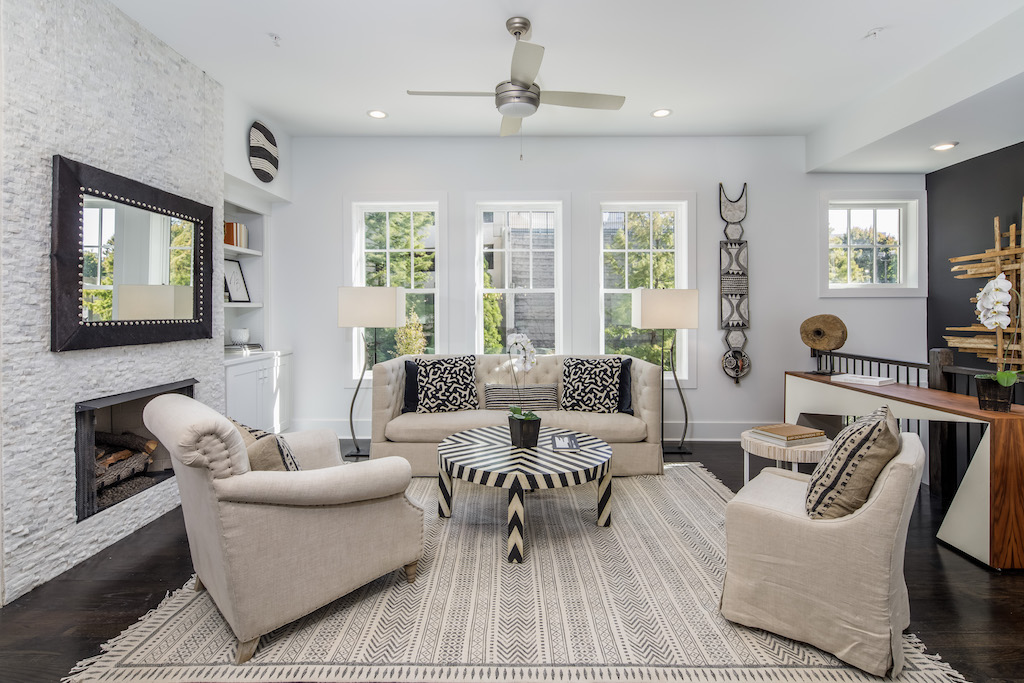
{"x": 788, "y": 434}
{"x": 236, "y": 234}
{"x": 851, "y": 378}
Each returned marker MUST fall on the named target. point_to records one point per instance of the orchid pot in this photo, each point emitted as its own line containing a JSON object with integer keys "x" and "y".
{"x": 524, "y": 428}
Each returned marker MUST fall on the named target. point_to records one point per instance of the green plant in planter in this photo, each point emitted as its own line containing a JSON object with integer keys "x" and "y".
{"x": 519, "y": 414}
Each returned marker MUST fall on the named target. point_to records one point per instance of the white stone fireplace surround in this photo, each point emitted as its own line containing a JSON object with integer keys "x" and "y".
{"x": 82, "y": 80}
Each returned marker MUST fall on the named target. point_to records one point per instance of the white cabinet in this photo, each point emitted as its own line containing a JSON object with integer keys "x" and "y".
{"x": 258, "y": 388}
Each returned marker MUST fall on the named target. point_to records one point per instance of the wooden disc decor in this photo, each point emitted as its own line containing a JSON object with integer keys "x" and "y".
{"x": 263, "y": 156}
{"x": 824, "y": 332}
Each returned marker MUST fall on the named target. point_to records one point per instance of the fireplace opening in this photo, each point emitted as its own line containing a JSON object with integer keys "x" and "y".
{"x": 116, "y": 456}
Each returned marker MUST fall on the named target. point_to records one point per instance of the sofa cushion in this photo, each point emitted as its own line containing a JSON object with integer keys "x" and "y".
{"x": 591, "y": 384}
{"x": 626, "y": 387}
{"x": 842, "y": 481}
{"x": 267, "y": 451}
{"x": 527, "y": 396}
{"x": 412, "y": 389}
{"x": 446, "y": 384}
{"x": 422, "y": 428}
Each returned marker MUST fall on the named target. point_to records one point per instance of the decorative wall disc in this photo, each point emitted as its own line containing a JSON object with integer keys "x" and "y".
{"x": 263, "y": 154}
{"x": 736, "y": 364}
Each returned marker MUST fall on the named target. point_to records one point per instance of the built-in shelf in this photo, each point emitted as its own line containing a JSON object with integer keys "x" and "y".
{"x": 230, "y": 249}
{"x": 242, "y": 304}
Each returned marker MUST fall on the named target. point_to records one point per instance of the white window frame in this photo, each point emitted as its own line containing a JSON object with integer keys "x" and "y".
{"x": 558, "y": 207}
{"x": 685, "y": 206}
{"x": 356, "y": 275}
{"x": 913, "y": 242}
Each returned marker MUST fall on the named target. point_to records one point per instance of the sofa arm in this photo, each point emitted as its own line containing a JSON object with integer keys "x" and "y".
{"x": 315, "y": 448}
{"x": 328, "y": 486}
{"x": 388, "y": 395}
{"x": 646, "y": 388}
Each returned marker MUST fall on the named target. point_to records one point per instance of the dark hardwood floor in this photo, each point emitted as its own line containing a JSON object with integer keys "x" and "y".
{"x": 970, "y": 615}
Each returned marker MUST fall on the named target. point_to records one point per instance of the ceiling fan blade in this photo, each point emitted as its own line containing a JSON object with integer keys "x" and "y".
{"x": 585, "y": 100}
{"x": 510, "y": 125}
{"x": 526, "y": 62}
{"x": 444, "y": 93}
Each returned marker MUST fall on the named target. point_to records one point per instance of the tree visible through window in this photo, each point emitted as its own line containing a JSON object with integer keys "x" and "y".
{"x": 638, "y": 251}
{"x": 519, "y": 288}
{"x": 400, "y": 247}
{"x": 864, "y": 245}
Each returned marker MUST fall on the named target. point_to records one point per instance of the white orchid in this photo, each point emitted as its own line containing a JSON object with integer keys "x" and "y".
{"x": 525, "y": 355}
{"x": 993, "y": 309}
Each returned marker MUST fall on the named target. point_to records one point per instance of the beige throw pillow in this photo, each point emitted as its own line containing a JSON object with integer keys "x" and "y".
{"x": 842, "y": 481}
{"x": 267, "y": 452}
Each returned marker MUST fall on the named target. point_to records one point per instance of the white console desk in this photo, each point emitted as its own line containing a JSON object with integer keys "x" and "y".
{"x": 986, "y": 517}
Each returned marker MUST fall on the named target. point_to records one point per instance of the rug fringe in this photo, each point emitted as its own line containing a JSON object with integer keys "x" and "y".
{"x": 944, "y": 668}
{"x": 135, "y": 629}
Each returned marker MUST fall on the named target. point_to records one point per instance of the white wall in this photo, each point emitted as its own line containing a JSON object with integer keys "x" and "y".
{"x": 82, "y": 80}
{"x": 311, "y": 254}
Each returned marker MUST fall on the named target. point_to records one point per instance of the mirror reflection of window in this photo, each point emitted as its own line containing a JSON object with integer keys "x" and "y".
{"x": 151, "y": 276}
{"x": 98, "y": 245}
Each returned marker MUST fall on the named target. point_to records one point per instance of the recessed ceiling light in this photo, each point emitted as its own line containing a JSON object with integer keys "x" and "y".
{"x": 377, "y": 114}
{"x": 661, "y": 113}
{"x": 944, "y": 146}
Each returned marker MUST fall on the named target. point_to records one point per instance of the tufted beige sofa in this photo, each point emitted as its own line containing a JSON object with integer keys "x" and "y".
{"x": 635, "y": 439}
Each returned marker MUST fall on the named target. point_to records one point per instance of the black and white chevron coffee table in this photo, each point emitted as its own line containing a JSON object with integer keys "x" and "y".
{"x": 486, "y": 456}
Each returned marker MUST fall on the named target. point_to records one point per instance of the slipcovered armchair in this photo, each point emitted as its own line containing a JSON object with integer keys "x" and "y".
{"x": 834, "y": 583}
{"x": 274, "y": 546}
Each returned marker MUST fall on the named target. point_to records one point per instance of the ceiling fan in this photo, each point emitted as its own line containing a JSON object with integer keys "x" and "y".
{"x": 519, "y": 96}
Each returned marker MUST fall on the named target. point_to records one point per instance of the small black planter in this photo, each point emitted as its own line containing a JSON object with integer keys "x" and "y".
{"x": 524, "y": 432}
{"x": 993, "y": 396}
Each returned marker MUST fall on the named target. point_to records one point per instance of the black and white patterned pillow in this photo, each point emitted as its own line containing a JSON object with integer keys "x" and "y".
{"x": 591, "y": 385}
{"x": 527, "y": 397}
{"x": 445, "y": 385}
{"x": 267, "y": 451}
{"x": 842, "y": 481}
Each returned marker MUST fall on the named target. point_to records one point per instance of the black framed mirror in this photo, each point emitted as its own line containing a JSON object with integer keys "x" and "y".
{"x": 129, "y": 264}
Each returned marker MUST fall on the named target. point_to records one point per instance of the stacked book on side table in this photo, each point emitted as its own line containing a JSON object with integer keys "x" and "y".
{"x": 787, "y": 435}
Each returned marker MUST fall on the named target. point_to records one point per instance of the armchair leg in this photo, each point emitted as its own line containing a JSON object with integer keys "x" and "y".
{"x": 410, "y": 572}
{"x": 199, "y": 584}
{"x": 246, "y": 650}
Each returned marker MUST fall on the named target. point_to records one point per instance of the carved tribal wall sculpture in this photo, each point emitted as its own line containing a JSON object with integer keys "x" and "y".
{"x": 735, "y": 290}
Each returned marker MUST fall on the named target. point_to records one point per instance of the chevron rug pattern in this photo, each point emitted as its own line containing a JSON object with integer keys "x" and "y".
{"x": 634, "y": 601}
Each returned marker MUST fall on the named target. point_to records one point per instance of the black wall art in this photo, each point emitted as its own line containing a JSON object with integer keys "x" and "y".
{"x": 734, "y": 286}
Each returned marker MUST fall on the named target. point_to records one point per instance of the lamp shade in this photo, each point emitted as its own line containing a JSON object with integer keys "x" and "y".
{"x": 371, "y": 306}
{"x": 665, "y": 309}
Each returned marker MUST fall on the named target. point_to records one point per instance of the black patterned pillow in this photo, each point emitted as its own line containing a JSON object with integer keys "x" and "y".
{"x": 445, "y": 385}
{"x": 267, "y": 451}
{"x": 528, "y": 397}
{"x": 842, "y": 481}
{"x": 591, "y": 385}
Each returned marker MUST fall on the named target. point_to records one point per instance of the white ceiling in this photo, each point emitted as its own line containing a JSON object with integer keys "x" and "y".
{"x": 724, "y": 67}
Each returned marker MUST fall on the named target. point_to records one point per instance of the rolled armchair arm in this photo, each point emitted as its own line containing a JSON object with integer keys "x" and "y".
{"x": 315, "y": 448}
{"x": 327, "y": 486}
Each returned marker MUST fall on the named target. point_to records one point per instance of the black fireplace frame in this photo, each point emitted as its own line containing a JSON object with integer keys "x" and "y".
{"x": 85, "y": 438}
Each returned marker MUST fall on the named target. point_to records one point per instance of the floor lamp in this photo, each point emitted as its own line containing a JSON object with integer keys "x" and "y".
{"x": 373, "y": 307}
{"x": 667, "y": 309}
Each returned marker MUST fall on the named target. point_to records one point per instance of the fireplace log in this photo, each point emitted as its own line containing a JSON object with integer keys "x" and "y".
{"x": 116, "y": 456}
{"x": 136, "y": 463}
{"x": 133, "y": 442}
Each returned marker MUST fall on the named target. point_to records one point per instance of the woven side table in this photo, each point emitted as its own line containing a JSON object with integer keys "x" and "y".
{"x": 752, "y": 445}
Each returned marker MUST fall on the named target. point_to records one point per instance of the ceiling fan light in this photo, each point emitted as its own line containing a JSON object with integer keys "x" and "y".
{"x": 517, "y": 108}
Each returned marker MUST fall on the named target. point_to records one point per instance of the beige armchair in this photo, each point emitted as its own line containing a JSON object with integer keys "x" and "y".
{"x": 834, "y": 583}
{"x": 274, "y": 546}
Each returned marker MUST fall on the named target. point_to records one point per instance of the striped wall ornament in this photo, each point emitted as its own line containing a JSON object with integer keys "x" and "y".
{"x": 263, "y": 154}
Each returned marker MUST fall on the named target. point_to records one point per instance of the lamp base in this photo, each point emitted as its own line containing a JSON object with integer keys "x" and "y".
{"x": 355, "y": 451}
{"x": 675, "y": 449}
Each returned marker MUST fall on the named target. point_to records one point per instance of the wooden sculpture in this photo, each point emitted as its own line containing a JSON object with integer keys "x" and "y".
{"x": 1001, "y": 347}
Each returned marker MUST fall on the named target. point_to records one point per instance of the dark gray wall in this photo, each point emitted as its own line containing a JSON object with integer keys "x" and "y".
{"x": 962, "y": 201}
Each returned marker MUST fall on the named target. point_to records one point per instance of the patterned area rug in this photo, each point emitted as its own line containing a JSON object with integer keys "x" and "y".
{"x": 634, "y": 601}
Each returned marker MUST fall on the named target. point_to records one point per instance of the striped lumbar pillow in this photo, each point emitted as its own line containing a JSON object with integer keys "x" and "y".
{"x": 527, "y": 397}
{"x": 841, "y": 482}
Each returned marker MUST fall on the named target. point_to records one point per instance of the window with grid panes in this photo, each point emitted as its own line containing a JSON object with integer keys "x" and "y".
{"x": 400, "y": 250}
{"x": 865, "y": 244}
{"x": 638, "y": 250}
{"x": 519, "y": 276}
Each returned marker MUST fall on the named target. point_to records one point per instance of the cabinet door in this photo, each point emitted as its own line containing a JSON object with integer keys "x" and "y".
{"x": 244, "y": 388}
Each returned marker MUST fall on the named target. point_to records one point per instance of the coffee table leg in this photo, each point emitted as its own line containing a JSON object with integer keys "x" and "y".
{"x": 516, "y": 514}
{"x": 444, "y": 493}
{"x": 604, "y": 499}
